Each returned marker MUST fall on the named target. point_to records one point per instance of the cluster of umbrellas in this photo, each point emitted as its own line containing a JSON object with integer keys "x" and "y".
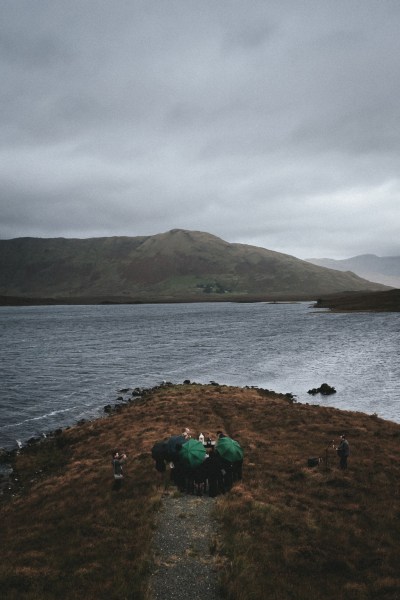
{"x": 193, "y": 452}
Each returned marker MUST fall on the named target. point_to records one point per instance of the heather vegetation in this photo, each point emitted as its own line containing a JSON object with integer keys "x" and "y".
{"x": 286, "y": 531}
{"x": 388, "y": 301}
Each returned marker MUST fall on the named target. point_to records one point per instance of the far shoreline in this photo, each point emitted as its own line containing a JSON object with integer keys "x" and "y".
{"x": 386, "y": 301}
{"x": 117, "y": 300}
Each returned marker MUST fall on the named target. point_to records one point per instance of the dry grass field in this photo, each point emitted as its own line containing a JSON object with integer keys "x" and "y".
{"x": 286, "y": 531}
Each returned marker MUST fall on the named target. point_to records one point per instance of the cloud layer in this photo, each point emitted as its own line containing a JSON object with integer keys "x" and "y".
{"x": 269, "y": 123}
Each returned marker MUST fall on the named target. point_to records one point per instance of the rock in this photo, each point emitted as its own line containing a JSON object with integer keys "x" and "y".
{"x": 324, "y": 389}
{"x": 33, "y": 440}
{"x": 108, "y": 408}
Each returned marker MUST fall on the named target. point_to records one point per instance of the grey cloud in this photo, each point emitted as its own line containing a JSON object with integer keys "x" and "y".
{"x": 263, "y": 123}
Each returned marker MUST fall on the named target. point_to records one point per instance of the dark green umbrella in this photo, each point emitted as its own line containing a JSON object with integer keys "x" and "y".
{"x": 172, "y": 443}
{"x": 229, "y": 449}
{"x": 192, "y": 453}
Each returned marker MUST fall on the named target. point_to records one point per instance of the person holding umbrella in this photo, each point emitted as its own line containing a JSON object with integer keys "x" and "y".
{"x": 191, "y": 458}
{"x": 231, "y": 455}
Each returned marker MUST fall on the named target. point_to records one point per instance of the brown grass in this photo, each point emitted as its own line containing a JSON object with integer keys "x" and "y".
{"x": 286, "y": 531}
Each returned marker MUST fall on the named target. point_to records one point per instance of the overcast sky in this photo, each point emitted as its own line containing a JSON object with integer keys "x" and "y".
{"x": 271, "y": 123}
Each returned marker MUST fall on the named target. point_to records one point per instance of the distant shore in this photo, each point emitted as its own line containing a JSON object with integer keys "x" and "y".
{"x": 92, "y": 300}
{"x": 387, "y": 301}
{"x": 362, "y": 302}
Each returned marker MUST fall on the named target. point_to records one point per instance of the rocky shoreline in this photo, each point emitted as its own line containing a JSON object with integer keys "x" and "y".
{"x": 9, "y": 481}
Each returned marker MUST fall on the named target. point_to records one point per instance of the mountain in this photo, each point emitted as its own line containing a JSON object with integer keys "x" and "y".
{"x": 176, "y": 265}
{"x": 385, "y": 270}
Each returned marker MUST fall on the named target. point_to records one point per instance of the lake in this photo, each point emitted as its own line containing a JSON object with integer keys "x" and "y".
{"x": 60, "y": 364}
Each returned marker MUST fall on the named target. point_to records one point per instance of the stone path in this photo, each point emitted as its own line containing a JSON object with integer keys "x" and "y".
{"x": 184, "y": 566}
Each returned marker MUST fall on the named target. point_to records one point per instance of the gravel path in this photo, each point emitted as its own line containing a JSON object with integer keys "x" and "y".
{"x": 184, "y": 566}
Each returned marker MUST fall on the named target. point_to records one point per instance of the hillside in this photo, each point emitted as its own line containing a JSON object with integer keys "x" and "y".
{"x": 380, "y": 269}
{"x": 175, "y": 265}
{"x": 285, "y": 531}
{"x": 388, "y": 301}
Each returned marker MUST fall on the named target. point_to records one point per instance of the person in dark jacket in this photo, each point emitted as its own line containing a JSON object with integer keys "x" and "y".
{"x": 214, "y": 473}
{"x": 343, "y": 451}
{"x": 159, "y": 453}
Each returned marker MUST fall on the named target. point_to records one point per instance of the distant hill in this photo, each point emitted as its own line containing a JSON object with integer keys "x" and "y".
{"x": 385, "y": 269}
{"x": 177, "y": 265}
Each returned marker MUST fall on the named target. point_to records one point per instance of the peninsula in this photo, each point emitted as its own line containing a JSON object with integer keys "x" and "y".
{"x": 285, "y": 530}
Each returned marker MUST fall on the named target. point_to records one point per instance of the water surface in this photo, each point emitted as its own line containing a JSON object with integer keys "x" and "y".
{"x": 59, "y": 364}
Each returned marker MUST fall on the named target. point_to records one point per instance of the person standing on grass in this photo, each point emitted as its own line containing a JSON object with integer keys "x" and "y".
{"x": 117, "y": 462}
{"x": 343, "y": 451}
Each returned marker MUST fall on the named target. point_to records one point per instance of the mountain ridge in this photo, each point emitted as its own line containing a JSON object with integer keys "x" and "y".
{"x": 379, "y": 269}
{"x": 177, "y": 264}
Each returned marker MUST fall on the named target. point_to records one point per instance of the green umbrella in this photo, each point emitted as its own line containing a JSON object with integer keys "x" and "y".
{"x": 229, "y": 449}
{"x": 192, "y": 453}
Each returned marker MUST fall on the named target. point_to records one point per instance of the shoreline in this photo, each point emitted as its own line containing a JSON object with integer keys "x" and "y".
{"x": 369, "y": 302}
{"x": 129, "y": 396}
{"x": 118, "y": 300}
{"x": 108, "y": 410}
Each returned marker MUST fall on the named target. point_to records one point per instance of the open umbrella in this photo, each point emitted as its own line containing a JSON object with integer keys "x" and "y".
{"x": 192, "y": 453}
{"x": 172, "y": 452}
{"x": 229, "y": 449}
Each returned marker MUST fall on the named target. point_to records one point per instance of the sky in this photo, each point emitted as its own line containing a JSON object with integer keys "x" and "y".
{"x": 274, "y": 123}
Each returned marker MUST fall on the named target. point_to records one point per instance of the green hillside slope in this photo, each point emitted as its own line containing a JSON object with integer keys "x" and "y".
{"x": 177, "y": 264}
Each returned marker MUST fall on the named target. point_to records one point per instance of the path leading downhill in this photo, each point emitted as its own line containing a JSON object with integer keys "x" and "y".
{"x": 184, "y": 566}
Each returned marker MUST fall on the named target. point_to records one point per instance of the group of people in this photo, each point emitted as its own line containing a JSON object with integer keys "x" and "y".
{"x": 214, "y": 475}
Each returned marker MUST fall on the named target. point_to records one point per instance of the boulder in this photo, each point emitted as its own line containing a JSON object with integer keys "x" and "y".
{"x": 324, "y": 389}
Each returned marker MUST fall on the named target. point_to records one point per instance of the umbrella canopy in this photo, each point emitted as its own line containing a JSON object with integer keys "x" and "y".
{"x": 192, "y": 453}
{"x": 229, "y": 449}
{"x": 159, "y": 451}
{"x": 172, "y": 452}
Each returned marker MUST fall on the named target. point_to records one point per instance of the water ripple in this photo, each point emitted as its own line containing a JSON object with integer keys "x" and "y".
{"x": 62, "y": 363}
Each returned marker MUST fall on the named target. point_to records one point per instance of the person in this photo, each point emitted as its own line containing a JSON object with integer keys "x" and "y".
{"x": 221, "y": 434}
{"x": 186, "y": 433}
{"x": 178, "y": 472}
{"x": 343, "y": 451}
{"x": 215, "y": 476}
{"x": 159, "y": 454}
{"x": 117, "y": 462}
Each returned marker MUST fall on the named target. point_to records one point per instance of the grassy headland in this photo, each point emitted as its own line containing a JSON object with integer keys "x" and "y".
{"x": 388, "y": 301}
{"x": 286, "y": 531}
